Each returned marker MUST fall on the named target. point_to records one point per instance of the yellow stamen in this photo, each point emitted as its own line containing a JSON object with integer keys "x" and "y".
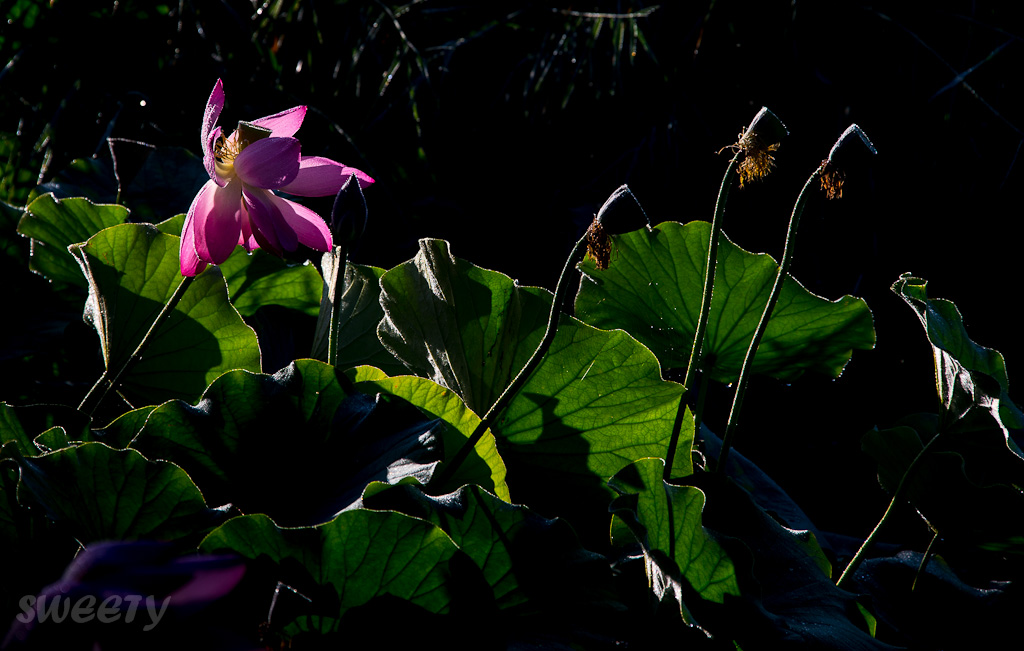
{"x": 757, "y": 160}
{"x": 832, "y": 181}
{"x": 599, "y": 247}
{"x": 757, "y": 142}
{"x": 226, "y": 150}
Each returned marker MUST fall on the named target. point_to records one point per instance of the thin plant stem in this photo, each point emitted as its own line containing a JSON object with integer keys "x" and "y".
{"x": 705, "y": 306}
{"x": 94, "y": 398}
{"x": 341, "y": 267}
{"x": 449, "y": 469}
{"x": 698, "y": 407}
{"x": 928, "y": 553}
{"x": 328, "y": 327}
{"x": 897, "y": 498}
{"x": 773, "y": 298}
{"x": 709, "y": 271}
{"x": 347, "y": 223}
{"x": 698, "y": 412}
{"x": 329, "y": 323}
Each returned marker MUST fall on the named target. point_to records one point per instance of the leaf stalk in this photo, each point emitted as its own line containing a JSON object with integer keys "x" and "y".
{"x": 897, "y": 498}
{"x": 94, "y": 398}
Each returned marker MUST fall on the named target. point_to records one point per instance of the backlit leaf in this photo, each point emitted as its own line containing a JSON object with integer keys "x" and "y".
{"x": 653, "y": 290}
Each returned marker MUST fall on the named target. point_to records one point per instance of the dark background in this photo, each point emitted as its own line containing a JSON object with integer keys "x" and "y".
{"x": 503, "y": 126}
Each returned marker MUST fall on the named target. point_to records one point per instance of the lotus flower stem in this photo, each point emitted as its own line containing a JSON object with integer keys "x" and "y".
{"x": 829, "y": 176}
{"x": 698, "y": 407}
{"x": 99, "y": 391}
{"x": 762, "y": 325}
{"x": 348, "y": 222}
{"x": 728, "y": 179}
{"x": 325, "y": 345}
{"x": 561, "y": 289}
{"x": 595, "y": 240}
{"x": 751, "y": 160}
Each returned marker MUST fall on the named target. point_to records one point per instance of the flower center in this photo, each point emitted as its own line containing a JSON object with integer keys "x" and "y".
{"x": 225, "y": 150}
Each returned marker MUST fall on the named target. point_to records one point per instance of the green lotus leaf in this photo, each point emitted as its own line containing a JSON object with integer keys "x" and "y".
{"x": 485, "y": 468}
{"x": 55, "y": 224}
{"x": 108, "y": 494}
{"x": 526, "y": 559}
{"x": 359, "y": 314}
{"x": 666, "y": 519}
{"x": 596, "y": 403}
{"x": 294, "y": 445}
{"x": 964, "y": 485}
{"x": 259, "y": 279}
{"x": 356, "y": 557}
{"x": 21, "y": 427}
{"x": 467, "y": 328}
{"x": 120, "y": 432}
{"x": 788, "y": 595}
{"x": 653, "y": 289}
{"x": 967, "y": 375}
{"x": 132, "y": 271}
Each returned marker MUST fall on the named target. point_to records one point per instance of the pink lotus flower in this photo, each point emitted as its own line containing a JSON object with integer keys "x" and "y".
{"x": 237, "y": 206}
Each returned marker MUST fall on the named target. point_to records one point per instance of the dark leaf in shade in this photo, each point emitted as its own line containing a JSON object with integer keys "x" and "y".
{"x": 294, "y": 445}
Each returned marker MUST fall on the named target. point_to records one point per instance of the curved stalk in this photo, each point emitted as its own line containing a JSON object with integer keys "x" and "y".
{"x": 517, "y": 383}
{"x": 709, "y": 270}
{"x": 762, "y": 325}
{"x": 705, "y": 306}
{"x": 94, "y": 398}
{"x": 897, "y": 497}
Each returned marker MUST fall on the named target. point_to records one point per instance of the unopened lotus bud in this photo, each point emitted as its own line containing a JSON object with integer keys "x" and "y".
{"x": 766, "y": 127}
{"x": 349, "y": 214}
{"x": 851, "y": 130}
{"x": 762, "y": 136}
{"x": 758, "y": 141}
{"x": 832, "y": 174}
{"x": 612, "y": 219}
